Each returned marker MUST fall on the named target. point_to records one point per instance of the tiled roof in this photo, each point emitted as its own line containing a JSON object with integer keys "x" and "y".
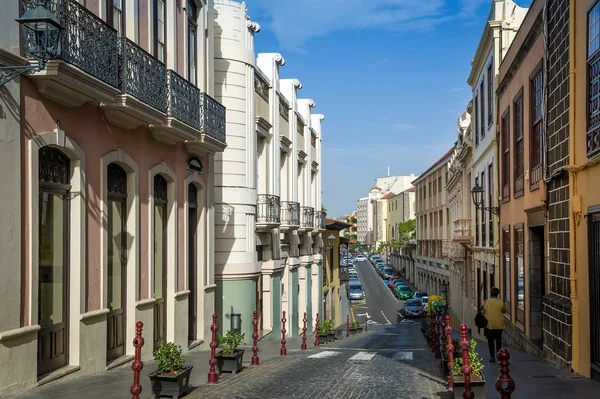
{"x": 388, "y": 195}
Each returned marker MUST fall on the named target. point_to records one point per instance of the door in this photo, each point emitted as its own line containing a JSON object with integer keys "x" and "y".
{"x": 116, "y": 261}
{"x": 192, "y": 262}
{"x": 53, "y": 266}
{"x": 594, "y": 249}
{"x": 160, "y": 260}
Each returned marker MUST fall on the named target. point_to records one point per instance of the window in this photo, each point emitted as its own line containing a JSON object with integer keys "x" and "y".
{"x": 506, "y": 267}
{"x": 535, "y": 145}
{"x": 476, "y": 219}
{"x": 481, "y": 110}
{"x": 520, "y": 275}
{"x": 475, "y": 106}
{"x": 192, "y": 14}
{"x": 114, "y": 15}
{"x": 483, "y": 214}
{"x": 519, "y": 150}
{"x": 490, "y": 204}
{"x": 490, "y": 93}
{"x": 160, "y": 29}
{"x": 593, "y": 83}
{"x": 505, "y": 126}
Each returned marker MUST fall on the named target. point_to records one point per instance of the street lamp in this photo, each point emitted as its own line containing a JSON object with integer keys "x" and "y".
{"x": 331, "y": 240}
{"x": 477, "y": 194}
{"x": 41, "y": 38}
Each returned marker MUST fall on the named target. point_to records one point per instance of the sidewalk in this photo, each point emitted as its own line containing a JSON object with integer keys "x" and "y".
{"x": 534, "y": 378}
{"x": 115, "y": 384}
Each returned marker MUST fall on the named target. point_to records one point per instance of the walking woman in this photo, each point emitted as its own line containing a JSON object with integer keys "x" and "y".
{"x": 494, "y": 310}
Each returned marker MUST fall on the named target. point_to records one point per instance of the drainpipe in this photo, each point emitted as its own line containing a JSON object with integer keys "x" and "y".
{"x": 573, "y": 207}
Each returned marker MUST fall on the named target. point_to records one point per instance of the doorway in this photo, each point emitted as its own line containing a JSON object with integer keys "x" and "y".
{"x": 537, "y": 284}
{"x": 192, "y": 262}
{"x": 160, "y": 260}
{"x": 594, "y": 251}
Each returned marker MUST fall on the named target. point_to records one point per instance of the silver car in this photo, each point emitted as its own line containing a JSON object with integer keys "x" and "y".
{"x": 413, "y": 307}
{"x": 355, "y": 292}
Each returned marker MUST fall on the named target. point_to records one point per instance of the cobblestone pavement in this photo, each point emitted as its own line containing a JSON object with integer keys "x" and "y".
{"x": 390, "y": 361}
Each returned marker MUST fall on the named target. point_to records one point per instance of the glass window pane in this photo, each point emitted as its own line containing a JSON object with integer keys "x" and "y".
{"x": 159, "y": 214}
{"x": 52, "y": 260}
{"x": 115, "y": 254}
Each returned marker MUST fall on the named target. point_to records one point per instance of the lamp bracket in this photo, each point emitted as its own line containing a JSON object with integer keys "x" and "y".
{"x": 10, "y": 72}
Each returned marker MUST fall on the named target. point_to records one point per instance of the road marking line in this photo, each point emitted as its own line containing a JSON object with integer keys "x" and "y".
{"x": 378, "y": 350}
{"x": 363, "y": 356}
{"x": 386, "y": 319}
{"x": 403, "y": 356}
{"x": 323, "y": 355}
{"x": 406, "y": 321}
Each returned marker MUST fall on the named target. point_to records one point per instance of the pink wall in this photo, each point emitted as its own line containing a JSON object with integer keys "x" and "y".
{"x": 87, "y": 126}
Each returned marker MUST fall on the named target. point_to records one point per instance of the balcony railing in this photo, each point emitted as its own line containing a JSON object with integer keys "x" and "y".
{"x": 290, "y": 214}
{"x": 268, "y": 209}
{"x": 462, "y": 230}
{"x": 320, "y": 220}
{"x": 307, "y": 217}
{"x": 212, "y": 118}
{"x": 183, "y": 100}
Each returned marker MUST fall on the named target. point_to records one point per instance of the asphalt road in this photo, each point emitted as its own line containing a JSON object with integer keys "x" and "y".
{"x": 381, "y": 305}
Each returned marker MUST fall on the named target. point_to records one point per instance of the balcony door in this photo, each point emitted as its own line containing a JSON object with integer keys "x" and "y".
{"x": 192, "y": 262}
{"x": 117, "y": 261}
{"x": 160, "y": 259}
{"x": 53, "y": 312}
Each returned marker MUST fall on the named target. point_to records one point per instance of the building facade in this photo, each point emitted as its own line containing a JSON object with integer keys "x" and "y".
{"x": 433, "y": 227}
{"x": 109, "y": 221}
{"x": 503, "y": 22}
{"x": 268, "y": 197}
{"x": 401, "y": 209}
{"x": 362, "y": 220}
{"x": 458, "y": 248}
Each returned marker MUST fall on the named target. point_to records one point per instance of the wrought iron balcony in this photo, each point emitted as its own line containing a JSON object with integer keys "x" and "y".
{"x": 212, "y": 118}
{"x": 290, "y": 214}
{"x": 320, "y": 220}
{"x": 307, "y": 217}
{"x": 462, "y": 231}
{"x": 268, "y": 211}
{"x": 183, "y": 100}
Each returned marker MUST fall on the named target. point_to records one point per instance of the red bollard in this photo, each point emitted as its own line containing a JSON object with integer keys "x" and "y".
{"x": 347, "y": 326}
{"x": 465, "y": 345}
{"x": 450, "y": 349}
{"x": 366, "y": 324}
{"x": 283, "y": 350}
{"x": 137, "y": 365}
{"x": 303, "y": 346}
{"x": 212, "y": 373}
{"x": 254, "y": 339}
{"x": 505, "y": 385}
{"x": 436, "y": 335}
{"x": 317, "y": 330}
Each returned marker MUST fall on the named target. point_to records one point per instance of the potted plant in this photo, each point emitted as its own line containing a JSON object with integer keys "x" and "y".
{"x": 477, "y": 378}
{"x": 330, "y": 331}
{"x": 359, "y": 327}
{"x": 323, "y": 333}
{"x": 457, "y": 353}
{"x": 353, "y": 327}
{"x": 230, "y": 358}
{"x": 172, "y": 377}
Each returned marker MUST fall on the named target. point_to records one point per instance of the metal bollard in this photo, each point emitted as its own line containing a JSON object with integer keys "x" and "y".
{"x": 465, "y": 345}
{"x": 303, "y": 346}
{"x": 212, "y": 373}
{"x": 317, "y": 330}
{"x": 450, "y": 348}
{"x": 137, "y": 365}
{"x": 255, "y": 361}
{"x": 283, "y": 350}
{"x": 505, "y": 385}
{"x": 366, "y": 324}
{"x": 347, "y": 326}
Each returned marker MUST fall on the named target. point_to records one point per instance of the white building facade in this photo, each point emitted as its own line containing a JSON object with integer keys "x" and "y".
{"x": 362, "y": 220}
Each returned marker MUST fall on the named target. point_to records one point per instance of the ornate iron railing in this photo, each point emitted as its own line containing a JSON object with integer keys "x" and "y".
{"x": 290, "y": 213}
{"x": 212, "y": 118}
{"x": 183, "y": 100}
{"x": 261, "y": 86}
{"x": 307, "y": 216}
{"x": 86, "y": 42}
{"x": 141, "y": 75}
{"x": 268, "y": 209}
{"x": 320, "y": 220}
{"x": 284, "y": 108}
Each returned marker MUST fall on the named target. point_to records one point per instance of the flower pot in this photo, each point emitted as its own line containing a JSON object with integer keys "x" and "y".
{"x": 170, "y": 385}
{"x": 322, "y": 339}
{"x": 231, "y": 363}
{"x": 352, "y": 331}
{"x": 477, "y": 386}
{"x": 359, "y": 329}
{"x": 331, "y": 337}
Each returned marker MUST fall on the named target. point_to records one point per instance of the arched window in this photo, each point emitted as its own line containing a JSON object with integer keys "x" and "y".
{"x": 54, "y": 186}
{"x": 194, "y": 164}
{"x": 117, "y": 259}
{"x": 160, "y": 258}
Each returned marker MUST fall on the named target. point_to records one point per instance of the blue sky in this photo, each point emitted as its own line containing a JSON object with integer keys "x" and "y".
{"x": 389, "y": 75}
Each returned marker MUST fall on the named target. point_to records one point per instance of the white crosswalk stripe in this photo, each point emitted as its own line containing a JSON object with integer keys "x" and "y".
{"x": 403, "y": 356}
{"x": 363, "y": 356}
{"x": 323, "y": 355}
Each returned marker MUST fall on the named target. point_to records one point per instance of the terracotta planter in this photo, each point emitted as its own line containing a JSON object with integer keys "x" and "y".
{"x": 170, "y": 385}
{"x": 477, "y": 386}
{"x": 230, "y": 363}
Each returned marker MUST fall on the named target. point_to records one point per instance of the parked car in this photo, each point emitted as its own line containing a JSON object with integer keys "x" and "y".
{"x": 413, "y": 307}
{"x": 355, "y": 291}
{"x": 360, "y": 258}
{"x": 425, "y": 300}
{"x": 419, "y": 294}
{"x": 388, "y": 272}
{"x": 352, "y": 273}
{"x": 403, "y": 292}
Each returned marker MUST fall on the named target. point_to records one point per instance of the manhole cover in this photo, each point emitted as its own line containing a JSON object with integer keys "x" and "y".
{"x": 541, "y": 377}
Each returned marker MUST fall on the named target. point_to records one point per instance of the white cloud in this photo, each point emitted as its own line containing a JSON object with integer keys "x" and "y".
{"x": 295, "y": 22}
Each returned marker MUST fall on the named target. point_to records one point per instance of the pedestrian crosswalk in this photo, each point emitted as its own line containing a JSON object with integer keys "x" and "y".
{"x": 362, "y": 356}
